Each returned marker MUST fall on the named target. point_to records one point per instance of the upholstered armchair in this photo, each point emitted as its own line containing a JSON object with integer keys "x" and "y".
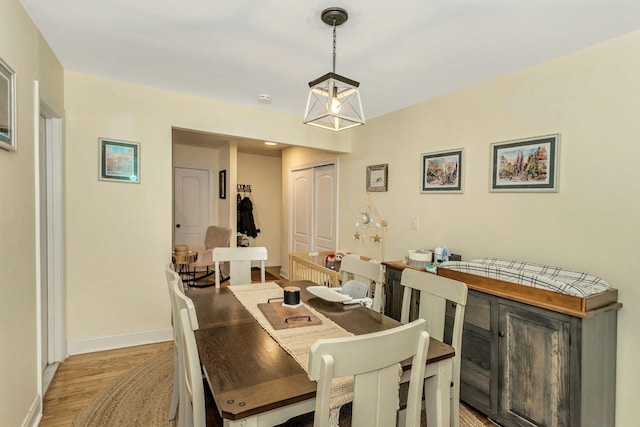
{"x": 204, "y": 267}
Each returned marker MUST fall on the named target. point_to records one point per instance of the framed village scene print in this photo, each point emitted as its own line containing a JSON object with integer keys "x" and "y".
{"x": 119, "y": 161}
{"x": 525, "y": 165}
{"x": 442, "y": 171}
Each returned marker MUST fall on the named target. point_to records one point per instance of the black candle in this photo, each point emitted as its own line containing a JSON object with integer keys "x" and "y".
{"x": 291, "y": 295}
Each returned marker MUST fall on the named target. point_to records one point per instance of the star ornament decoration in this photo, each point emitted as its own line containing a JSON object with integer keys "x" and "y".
{"x": 356, "y": 235}
{"x": 377, "y": 238}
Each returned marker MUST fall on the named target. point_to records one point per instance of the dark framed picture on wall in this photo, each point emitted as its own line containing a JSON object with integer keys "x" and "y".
{"x": 222, "y": 184}
{"x": 377, "y": 177}
{"x": 525, "y": 165}
{"x": 442, "y": 171}
{"x": 119, "y": 161}
{"x": 7, "y": 107}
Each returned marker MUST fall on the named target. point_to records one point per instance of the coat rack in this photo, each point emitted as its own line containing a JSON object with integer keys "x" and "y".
{"x": 243, "y": 188}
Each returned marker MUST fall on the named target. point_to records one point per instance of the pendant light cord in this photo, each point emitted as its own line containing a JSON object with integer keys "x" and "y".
{"x": 334, "y": 45}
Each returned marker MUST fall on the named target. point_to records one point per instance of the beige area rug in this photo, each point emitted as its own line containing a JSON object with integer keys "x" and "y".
{"x": 141, "y": 397}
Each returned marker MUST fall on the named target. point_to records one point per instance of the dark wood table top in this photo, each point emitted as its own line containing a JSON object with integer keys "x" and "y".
{"x": 247, "y": 370}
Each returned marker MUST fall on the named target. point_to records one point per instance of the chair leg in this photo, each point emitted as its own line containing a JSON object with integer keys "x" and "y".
{"x": 175, "y": 394}
{"x": 455, "y": 407}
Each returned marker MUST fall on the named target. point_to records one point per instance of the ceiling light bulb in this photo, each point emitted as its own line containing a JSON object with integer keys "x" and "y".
{"x": 270, "y": 143}
{"x": 335, "y": 105}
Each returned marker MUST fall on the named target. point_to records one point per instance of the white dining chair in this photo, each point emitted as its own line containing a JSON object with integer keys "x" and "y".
{"x": 182, "y": 378}
{"x": 175, "y": 394}
{"x": 365, "y": 272}
{"x": 376, "y": 373}
{"x": 192, "y": 409}
{"x": 435, "y": 291}
{"x": 240, "y": 263}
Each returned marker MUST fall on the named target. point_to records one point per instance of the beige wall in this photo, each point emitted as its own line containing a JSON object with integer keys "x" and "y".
{"x": 119, "y": 234}
{"x": 592, "y": 99}
{"x": 264, "y": 174}
{"x": 23, "y": 48}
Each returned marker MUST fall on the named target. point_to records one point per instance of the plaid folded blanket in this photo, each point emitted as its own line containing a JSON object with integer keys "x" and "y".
{"x": 539, "y": 276}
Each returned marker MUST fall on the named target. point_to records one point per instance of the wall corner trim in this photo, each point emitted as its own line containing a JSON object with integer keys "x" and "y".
{"x": 33, "y": 417}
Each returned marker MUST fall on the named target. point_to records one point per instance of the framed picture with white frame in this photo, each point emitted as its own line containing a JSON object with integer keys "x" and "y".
{"x": 442, "y": 171}
{"x": 525, "y": 165}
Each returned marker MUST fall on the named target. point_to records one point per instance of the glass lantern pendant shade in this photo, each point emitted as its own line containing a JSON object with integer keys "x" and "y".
{"x": 334, "y": 101}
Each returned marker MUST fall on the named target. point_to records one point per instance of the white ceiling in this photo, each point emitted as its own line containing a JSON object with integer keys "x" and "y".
{"x": 402, "y": 51}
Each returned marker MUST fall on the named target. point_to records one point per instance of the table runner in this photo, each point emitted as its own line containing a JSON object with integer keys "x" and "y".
{"x": 297, "y": 341}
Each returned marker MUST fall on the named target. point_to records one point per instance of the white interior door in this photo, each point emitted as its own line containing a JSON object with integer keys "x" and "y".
{"x": 314, "y": 208}
{"x": 191, "y": 205}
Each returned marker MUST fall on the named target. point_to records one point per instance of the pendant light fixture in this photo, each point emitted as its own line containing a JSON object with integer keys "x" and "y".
{"x": 334, "y": 100}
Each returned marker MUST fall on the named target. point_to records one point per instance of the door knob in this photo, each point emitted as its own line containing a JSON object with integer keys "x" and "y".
{"x": 501, "y": 334}
{"x": 177, "y": 225}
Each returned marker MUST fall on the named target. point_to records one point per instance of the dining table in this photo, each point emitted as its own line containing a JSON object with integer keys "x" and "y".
{"x": 257, "y": 383}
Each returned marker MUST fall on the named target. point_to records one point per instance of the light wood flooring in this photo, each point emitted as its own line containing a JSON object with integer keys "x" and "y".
{"x": 82, "y": 376}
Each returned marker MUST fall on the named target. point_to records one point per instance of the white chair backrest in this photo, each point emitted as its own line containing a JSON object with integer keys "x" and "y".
{"x": 177, "y": 350}
{"x": 190, "y": 381}
{"x": 240, "y": 263}
{"x": 365, "y": 272}
{"x": 193, "y": 387}
{"x": 435, "y": 291}
{"x": 376, "y": 373}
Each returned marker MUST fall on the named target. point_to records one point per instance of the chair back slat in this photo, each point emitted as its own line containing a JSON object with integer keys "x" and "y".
{"x": 366, "y": 272}
{"x": 240, "y": 263}
{"x": 435, "y": 293}
{"x": 376, "y": 373}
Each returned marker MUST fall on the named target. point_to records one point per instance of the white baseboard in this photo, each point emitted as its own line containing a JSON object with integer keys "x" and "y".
{"x": 110, "y": 342}
{"x": 35, "y": 413}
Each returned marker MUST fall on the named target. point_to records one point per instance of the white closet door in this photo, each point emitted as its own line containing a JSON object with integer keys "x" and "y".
{"x": 314, "y": 209}
{"x": 325, "y": 199}
{"x": 302, "y": 224}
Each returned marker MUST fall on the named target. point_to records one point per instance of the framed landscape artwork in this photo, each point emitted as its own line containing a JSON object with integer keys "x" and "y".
{"x": 525, "y": 164}
{"x": 377, "y": 177}
{"x": 442, "y": 171}
{"x": 7, "y": 107}
{"x": 119, "y": 161}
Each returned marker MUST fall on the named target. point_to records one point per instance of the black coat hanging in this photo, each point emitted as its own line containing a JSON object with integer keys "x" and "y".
{"x": 246, "y": 224}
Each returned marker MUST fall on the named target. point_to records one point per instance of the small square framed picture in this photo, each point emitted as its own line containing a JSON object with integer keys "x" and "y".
{"x": 377, "y": 177}
{"x": 442, "y": 171}
{"x": 119, "y": 161}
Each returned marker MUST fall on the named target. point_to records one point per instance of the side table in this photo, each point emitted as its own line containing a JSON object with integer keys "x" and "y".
{"x": 181, "y": 263}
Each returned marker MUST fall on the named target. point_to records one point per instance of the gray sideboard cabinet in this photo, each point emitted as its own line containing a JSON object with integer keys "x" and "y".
{"x": 532, "y": 358}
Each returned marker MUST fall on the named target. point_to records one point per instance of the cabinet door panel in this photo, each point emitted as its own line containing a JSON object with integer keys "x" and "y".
{"x": 534, "y": 368}
{"x": 475, "y": 371}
